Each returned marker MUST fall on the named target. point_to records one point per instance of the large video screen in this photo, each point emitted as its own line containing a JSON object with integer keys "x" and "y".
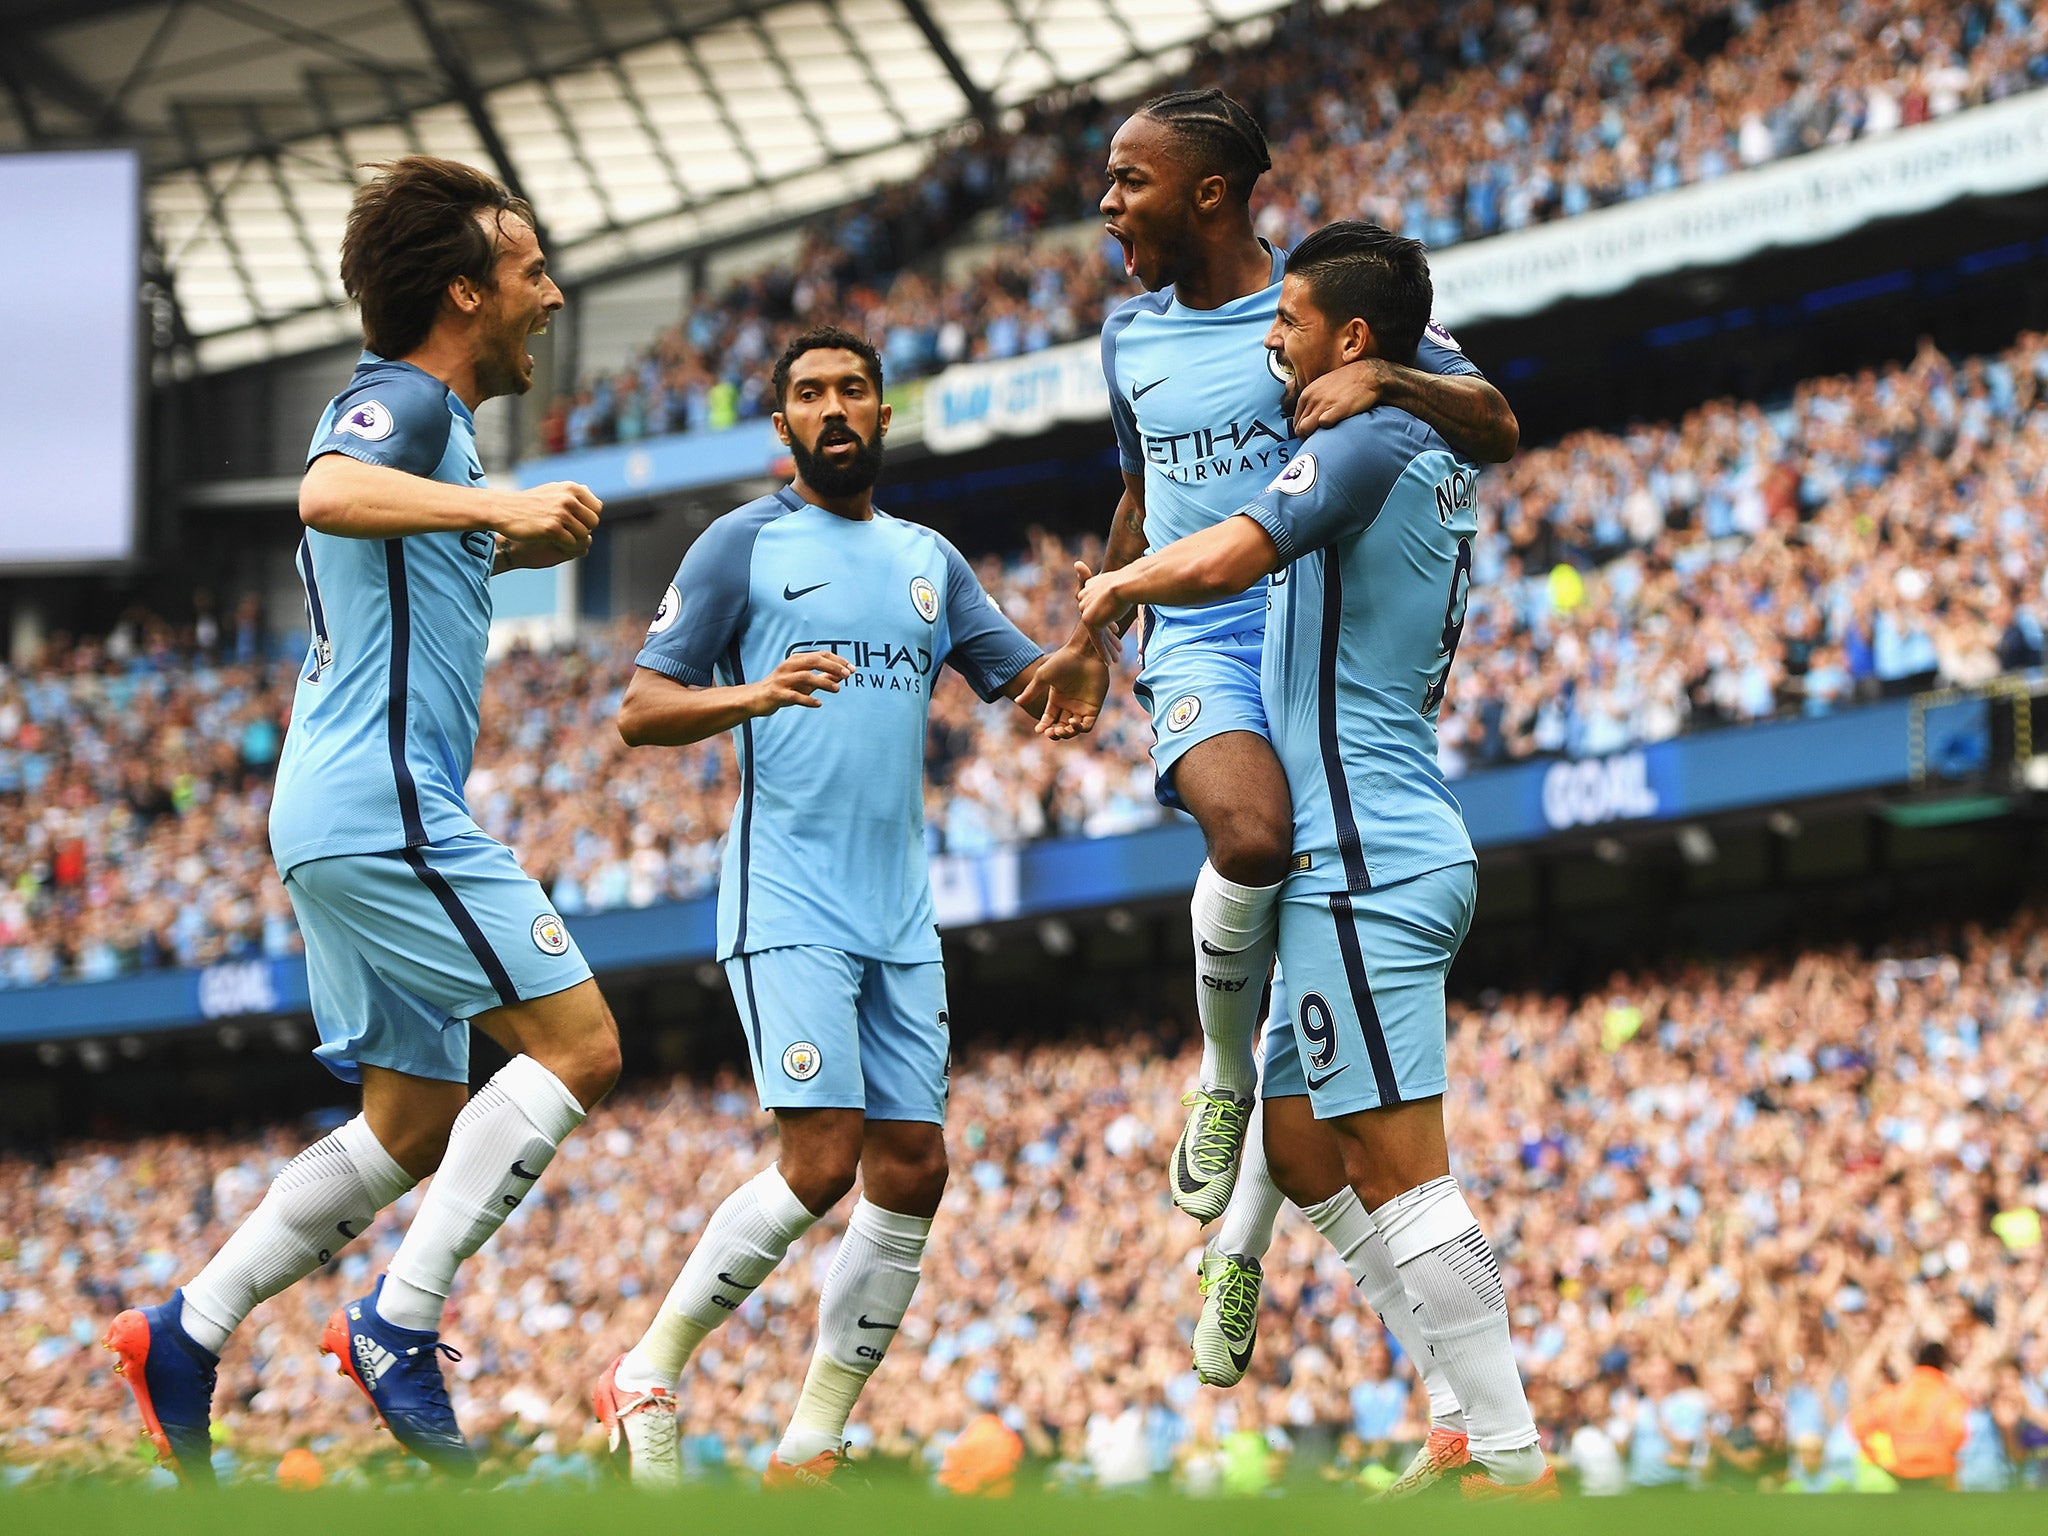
{"x": 70, "y": 326}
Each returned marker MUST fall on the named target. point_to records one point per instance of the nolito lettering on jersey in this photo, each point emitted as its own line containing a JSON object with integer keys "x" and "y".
{"x": 879, "y": 665}
{"x": 1454, "y": 494}
{"x": 1211, "y": 453}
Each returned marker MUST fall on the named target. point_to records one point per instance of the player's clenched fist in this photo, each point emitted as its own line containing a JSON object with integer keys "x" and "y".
{"x": 797, "y": 679}
{"x": 560, "y": 515}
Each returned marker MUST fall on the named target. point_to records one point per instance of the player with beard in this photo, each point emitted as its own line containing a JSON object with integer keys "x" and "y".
{"x": 1197, "y": 402}
{"x": 811, "y": 624}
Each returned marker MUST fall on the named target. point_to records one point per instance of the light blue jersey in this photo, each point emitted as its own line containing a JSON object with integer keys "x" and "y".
{"x": 384, "y": 720}
{"x": 827, "y": 842}
{"x": 1376, "y": 518}
{"x": 414, "y": 920}
{"x": 1195, "y": 398}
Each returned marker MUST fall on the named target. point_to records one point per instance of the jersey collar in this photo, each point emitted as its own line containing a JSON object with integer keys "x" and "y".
{"x": 795, "y": 503}
{"x": 371, "y": 359}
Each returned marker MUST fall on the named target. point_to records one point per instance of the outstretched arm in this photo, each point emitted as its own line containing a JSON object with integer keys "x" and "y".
{"x": 1126, "y": 543}
{"x": 1063, "y": 690}
{"x": 658, "y": 711}
{"x": 1473, "y": 416}
{"x": 1219, "y": 561}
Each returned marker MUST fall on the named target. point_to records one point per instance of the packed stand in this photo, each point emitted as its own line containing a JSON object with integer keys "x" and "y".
{"x": 1732, "y": 1200}
{"x": 1879, "y": 533}
{"x": 1447, "y": 122}
{"x": 135, "y": 778}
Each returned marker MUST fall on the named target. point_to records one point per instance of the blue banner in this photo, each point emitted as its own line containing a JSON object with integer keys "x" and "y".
{"x": 680, "y": 461}
{"x": 1693, "y": 776}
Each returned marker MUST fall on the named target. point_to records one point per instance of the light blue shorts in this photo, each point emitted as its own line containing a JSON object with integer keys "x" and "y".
{"x": 1196, "y": 688}
{"x": 1367, "y": 974}
{"x": 403, "y": 949}
{"x": 829, "y": 1030}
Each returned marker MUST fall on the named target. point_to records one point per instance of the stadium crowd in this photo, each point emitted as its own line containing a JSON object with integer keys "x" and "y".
{"x": 1732, "y": 1200}
{"x": 1881, "y": 532}
{"x": 1446, "y": 122}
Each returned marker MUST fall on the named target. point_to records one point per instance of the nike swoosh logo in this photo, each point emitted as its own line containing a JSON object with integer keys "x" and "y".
{"x": 1317, "y": 1082}
{"x": 346, "y": 1230}
{"x": 475, "y": 475}
{"x": 1183, "y": 1175}
{"x": 792, "y": 596}
{"x": 867, "y": 1322}
{"x": 519, "y": 1171}
{"x": 738, "y": 1285}
{"x": 1139, "y": 391}
{"x": 1211, "y": 949}
{"x": 1242, "y": 1358}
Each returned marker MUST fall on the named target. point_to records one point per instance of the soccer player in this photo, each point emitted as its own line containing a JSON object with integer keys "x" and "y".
{"x": 417, "y": 925}
{"x": 811, "y": 625}
{"x": 1197, "y": 400}
{"x": 1367, "y": 536}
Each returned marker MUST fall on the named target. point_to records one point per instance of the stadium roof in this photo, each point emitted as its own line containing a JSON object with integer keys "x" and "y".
{"x": 637, "y": 127}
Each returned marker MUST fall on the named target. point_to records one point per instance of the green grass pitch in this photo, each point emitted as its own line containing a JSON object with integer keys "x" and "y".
{"x": 87, "y": 1511}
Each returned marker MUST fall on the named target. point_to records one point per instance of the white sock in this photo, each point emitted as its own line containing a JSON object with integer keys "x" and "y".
{"x": 1247, "y": 1225}
{"x": 503, "y": 1139}
{"x": 864, "y": 1299}
{"x": 1235, "y": 930}
{"x": 319, "y": 1202}
{"x": 742, "y": 1243}
{"x": 1449, "y": 1272}
{"x": 1343, "y": 1220}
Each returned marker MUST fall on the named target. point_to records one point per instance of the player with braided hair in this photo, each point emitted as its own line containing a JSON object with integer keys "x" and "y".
{"x": 1197, "y": 401}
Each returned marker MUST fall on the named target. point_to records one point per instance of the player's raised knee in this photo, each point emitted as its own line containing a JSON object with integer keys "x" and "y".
{"x": 1250, "y": 843}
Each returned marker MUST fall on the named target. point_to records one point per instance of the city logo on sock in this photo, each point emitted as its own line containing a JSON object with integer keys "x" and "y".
{"x": 926, "y": 598}
{"x": 802, "y": 1061}
{"x": 372, "y": 1359}
{"x": 549, "y": 936}
{"x": 1182, "y": 712}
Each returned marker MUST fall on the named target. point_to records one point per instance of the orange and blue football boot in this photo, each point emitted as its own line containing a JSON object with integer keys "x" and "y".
{"x": 172, "y": 1378}
{"x": 399, "y": 1371}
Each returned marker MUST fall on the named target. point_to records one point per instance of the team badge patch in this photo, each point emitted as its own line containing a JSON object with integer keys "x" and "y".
{"x": 1182, "y": 712}
{"x": 1443, "y": 338}
{"x": 549, "y": 936}
{"x": 665, "y": 615}
{"x": 370, "y": 421}
{"x": 802, "y": 1061}
{"x": 1278, "y": 366}
{"x": 926, "y": 597}
{"x": 1297, "y": 477}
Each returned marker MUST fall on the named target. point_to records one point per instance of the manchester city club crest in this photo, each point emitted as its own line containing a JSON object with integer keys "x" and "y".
{"x": 926, "y": 597}
{"x": 802, "y": 1061}
{"x": 370, "y": 421}
{"x": 549, "y": 936}
{"x": 1182, "y": 712}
